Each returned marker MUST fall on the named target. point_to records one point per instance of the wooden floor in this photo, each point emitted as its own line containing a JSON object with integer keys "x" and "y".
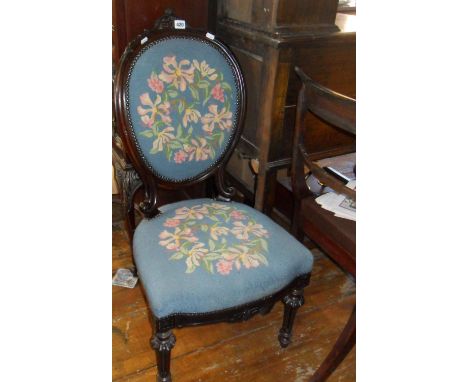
{"x": 247, "y": 351}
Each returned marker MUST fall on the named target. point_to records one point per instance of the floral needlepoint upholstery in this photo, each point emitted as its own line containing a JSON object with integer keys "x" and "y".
{"x": 183, "y": 106}
{"x": 204, "y": 255}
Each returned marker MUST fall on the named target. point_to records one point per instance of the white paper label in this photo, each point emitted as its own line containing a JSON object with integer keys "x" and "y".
{"x": 179, "y": 24}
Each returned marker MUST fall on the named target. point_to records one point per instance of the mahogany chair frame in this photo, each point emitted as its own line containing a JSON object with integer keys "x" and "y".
{"x": 163, "y": 339}
{"x": 339, "y": 111}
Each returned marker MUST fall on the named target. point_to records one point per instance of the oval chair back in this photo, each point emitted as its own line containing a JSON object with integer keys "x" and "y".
{"x": 180, "y": 101}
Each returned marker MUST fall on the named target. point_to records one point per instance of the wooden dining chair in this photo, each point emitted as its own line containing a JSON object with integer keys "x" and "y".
{"x": 179, "y": 102}
{"x": 335, "y": 236}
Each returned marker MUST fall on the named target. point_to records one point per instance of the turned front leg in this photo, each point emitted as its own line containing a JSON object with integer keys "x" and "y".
{"x": 162, "y": 343}
{"x": 292, "y": 302}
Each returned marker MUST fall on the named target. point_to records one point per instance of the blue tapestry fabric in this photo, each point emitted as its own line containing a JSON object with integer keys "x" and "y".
{"x": 204, "y": 255}
{"x": 183, "y": 106}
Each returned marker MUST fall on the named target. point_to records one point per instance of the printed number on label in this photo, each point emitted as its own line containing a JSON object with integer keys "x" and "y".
{"x": 179, "y": 24}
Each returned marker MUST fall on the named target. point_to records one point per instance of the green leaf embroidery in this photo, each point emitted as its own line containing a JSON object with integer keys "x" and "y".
{"x": 175, "y": 145}
{"x": 203, "y": 84}
{"x": 194, "y": 92}
{"x": 264, "y": 244}
{"x": 147, "y": 133}
{"x": 260, "y": 258}
{"x": 190, "y": 268}
{"x": 212, "y": 256}
{"x": 212, "y": 153}
{"x": 168, "y": 152}
{"x": 177, "y": 256}
{"x": 208, "y": 266}
{"x": 223, "y": 215}
{"x": 226, "y": 86}
{"x": 183, "y": 247}
{"x": 221, "y": 138}
{"x": 211, "y": 245}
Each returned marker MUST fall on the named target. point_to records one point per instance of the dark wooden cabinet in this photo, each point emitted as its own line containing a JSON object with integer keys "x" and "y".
{"x": 270, "y": 38}
{"x": 280, "y": 16}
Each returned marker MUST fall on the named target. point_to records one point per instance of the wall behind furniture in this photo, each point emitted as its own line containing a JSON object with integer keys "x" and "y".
{"x": 131, "y": 17}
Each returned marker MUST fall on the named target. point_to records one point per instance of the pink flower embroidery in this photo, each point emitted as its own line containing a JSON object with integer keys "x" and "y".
{"x": 242, "y": 231}
{"x": 219, "y": 257}
{"x": 155, "y": 84}
{"x": 180, "y": 156}
{"x": 196, "y": 212}
{"x": 190, "y": 115}
{"x": 155, "y": 108}
{"x": 177, "y": 74}
{"x": 172, "y": 240}
{"x": 171, "y": 223}
{"x": 162, "y": 138}
{"x": 224, "y": 267}
{"x": 218, "y": 92}
{"x": 219, "y": 206}
{"x": 199, "y": 150}
{"x": 242, "y": 256}
{"x": 205, "y": 70}
{"x": 238, "y": 215}
{"x": 218, "y": 231}
{"x": 194, "y": 255}
{"x": 214, "y": 119}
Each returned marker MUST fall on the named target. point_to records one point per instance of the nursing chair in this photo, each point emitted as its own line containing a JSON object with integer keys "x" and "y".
{"x": 335, "y": 236}
{"x": 179, "y": 100}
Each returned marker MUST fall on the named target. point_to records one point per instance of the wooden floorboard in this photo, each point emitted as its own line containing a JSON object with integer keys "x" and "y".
{"x": 247, "y": 351}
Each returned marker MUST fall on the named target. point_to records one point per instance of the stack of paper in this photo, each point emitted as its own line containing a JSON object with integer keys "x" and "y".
{"x": 340, "y": 205}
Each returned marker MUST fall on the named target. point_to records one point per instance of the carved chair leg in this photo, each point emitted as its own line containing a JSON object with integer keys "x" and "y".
{"x": 162, "y": 343}
{"x": 292, "y": 302}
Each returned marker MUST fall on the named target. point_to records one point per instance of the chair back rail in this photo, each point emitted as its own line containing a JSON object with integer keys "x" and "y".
{"x": 334, "y": 108}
